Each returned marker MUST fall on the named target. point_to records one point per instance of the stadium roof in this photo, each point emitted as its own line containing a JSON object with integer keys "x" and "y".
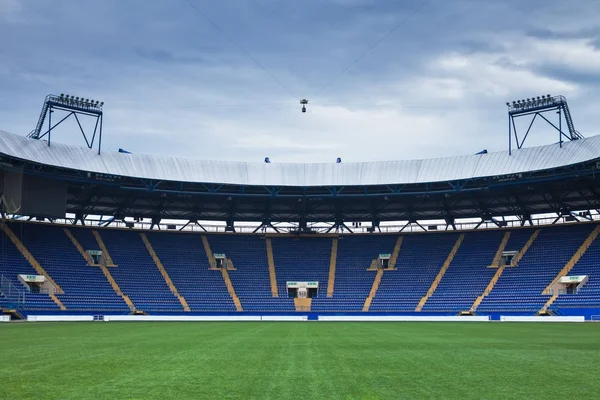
{"x": 539, "y": 180}
{"x": 300, "y": 175}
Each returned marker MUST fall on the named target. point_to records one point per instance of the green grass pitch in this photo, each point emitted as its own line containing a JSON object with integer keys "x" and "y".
{"x": 288, "y": 360}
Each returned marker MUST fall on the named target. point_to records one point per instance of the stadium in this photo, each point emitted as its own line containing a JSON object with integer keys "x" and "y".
{"x": 124, "y": 275}
{"x": 296, "y": 256}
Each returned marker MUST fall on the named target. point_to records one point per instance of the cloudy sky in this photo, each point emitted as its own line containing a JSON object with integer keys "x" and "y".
{"x": 226, "y": 85}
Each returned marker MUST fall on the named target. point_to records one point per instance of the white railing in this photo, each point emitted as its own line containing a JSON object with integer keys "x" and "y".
{"x": 11, "y": 292}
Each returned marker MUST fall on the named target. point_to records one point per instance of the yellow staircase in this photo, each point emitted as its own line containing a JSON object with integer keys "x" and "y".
{"x": 271, "y": 261}
{"x": 230, "y": 266}
{"x": 544, "y": 309}
{"x": 57, "y": 301}
{"x": 571, "y": 263}
{"x": 501, "y": 247}
{"x": 30, "y": 258}
{"x": 116, "y": 288}
{"x": 209, "y": 254}
{"x": 521, "y": 253}
{"x": 302, "y": 304}
{"x": 332, "y": 265}
{"x": 440, "y": 274}
{"x": 488, "y": 288}
{"x": 394, "y": 256}
{"x": 373, "y": 291}
{"x": 77, "y": 245}
{"x": 107, "y": 257}
{"x": 236, "y": 300}
{"x": 373, "y": 266}
{"x": 164, "y": 272}
{"x": 499, "y": 271}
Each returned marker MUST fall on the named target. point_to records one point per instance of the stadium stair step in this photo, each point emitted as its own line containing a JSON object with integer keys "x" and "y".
{"x": 78, "y": 246}
{"x": 231, "y": 290}
{"x": 498, "y": 273}
{"x": 394, "y": 256}
{"x": 520, "y": 254}
{"x": 271, "y": 262}
{"x": 302, "y": 304}
{"x": 164, "y": 273}
{"x": 571, "y": 263}
{"x": 373, "y": 266}
{"x": 117, "y": 289}
{"x": 332, "y": 265}
{"x": 440, "y": 274}
{"x": 209, "y": 254}
{"x": 544, "y": 309}
{"x": 13, "y": 312}
{"x": 102, "y": 246}
{"x": 373, "y": 292}
{"x": 28, "y": 256}
{"x": 57, "y": 301}
{"x": 230, "y": 266}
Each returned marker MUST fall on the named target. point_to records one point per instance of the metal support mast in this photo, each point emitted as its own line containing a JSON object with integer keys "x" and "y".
{"x": 536, "y": 107}
{"x": 75, "y": 107}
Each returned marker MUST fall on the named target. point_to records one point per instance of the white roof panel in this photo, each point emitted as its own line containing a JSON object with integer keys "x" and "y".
{"x": 317, "y": 174}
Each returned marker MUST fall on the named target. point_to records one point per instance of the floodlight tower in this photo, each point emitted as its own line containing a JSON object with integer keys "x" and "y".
{"x": 537, "y": 106}
{"x": 74, "y": 107}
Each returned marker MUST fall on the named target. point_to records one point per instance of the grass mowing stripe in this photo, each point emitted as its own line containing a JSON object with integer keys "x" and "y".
{"x": 279, "y": 360}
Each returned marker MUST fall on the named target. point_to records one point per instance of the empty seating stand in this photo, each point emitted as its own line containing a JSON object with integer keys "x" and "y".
{"x": 184, "y": 259}
{"x": 85, "y": 287}
{"x": 419, "y": 261}
{"x": 136, "y": 274}
{"x": 251, "y": 276}
{"x": 519, "y": 288}
{"x": 468, "y": 274}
